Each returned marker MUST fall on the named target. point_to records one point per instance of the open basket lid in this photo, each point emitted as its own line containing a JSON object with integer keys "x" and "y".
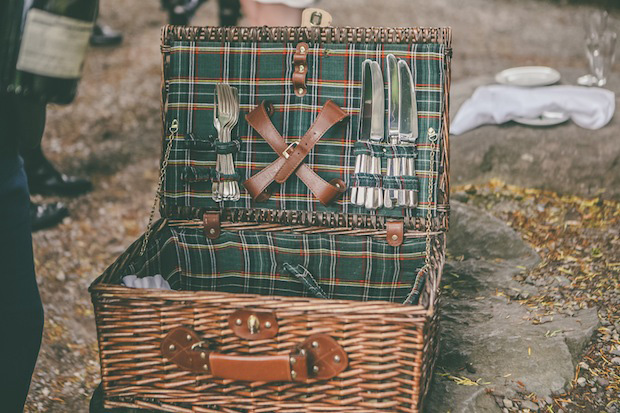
{"x": 260, "y": 64}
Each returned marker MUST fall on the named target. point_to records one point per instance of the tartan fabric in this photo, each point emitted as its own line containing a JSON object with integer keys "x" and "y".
{"x": 263, "y": 71}
{"x": 282, "y": 263}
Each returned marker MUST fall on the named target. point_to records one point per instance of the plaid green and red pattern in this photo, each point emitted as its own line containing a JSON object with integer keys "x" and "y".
{"x": 283, "y": 263}
{"x": 263, "y": 71}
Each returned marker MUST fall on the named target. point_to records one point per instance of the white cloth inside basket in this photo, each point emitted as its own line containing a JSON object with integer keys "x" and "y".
{"x": 157, "y": 282}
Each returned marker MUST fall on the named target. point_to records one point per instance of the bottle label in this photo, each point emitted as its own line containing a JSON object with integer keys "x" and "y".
{"x": 53, "y": 45}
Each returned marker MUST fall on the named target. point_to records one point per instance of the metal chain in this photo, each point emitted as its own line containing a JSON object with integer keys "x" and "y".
{"x": 432, "y": 137}
{"x": 415, "y": 293}
{"x": 174, "y": 128}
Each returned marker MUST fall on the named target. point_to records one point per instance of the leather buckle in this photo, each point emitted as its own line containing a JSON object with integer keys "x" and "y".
{"x": 285, "y": 153}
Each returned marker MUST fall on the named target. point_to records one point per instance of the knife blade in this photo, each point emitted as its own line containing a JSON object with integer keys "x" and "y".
{"x": 393, "y": 110}
{"x": 393, "y": 97}
{"x": 374, "y": 196}
{"x": 371, "y": 129}
{"x": 407, "y": 127}
{"x": 358, "y": 193}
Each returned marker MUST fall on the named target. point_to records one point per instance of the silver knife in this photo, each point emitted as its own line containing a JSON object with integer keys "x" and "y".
{"x": 374, "y": 196}
{"x": 393, "y": 112}
{"x": 358, "y": 194}
{"x": 407, "y": 127}
{"x": 371, "y": 129}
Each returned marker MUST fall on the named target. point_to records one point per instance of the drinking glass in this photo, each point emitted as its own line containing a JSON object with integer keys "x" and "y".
{"x": 601, "y": 53}
{"x": 595, "y": 23}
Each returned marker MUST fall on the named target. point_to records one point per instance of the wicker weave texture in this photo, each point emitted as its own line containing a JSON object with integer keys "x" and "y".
{"x": 391, "y": 349}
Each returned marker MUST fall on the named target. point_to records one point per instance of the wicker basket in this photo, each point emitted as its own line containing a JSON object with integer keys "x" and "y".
{"x": 390, "y": 348}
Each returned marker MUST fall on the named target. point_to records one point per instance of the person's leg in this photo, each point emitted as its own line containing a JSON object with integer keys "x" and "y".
{"x": 21, "y": 312}
{"x": 276, "y": 14}
{"x": 250, "y": 12}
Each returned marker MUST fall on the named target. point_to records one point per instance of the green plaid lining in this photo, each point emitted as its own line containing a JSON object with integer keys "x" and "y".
{"x": 263, "y": 71}
{"x": 344, "y": 267}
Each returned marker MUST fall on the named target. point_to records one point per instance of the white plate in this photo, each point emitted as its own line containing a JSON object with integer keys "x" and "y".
{"x": 528, "y": 76}
{"x": 546, "y": 119}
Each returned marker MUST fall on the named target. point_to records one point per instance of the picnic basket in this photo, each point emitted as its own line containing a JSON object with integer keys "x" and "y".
{"x": 242, "y": 328}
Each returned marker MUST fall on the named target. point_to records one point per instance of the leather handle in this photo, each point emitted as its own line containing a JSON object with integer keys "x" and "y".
{"x": 319, "y": 357}
{"x": 259, "y": 368}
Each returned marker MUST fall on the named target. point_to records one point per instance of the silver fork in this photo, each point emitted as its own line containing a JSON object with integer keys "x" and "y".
{"x": 223, "y": 116}
{"x": 215, "y": 190}
{"x": 232, "y": 187}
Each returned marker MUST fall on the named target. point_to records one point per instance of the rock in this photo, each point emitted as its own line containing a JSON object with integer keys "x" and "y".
{"x": 615, "y": 352}
{"x": 527, "y": 404}
{"x": 602, "y": 382}
{"x": 476, "y": 234}
{"x": 492, "y": 335}
{"x": 615, "y": 361}
{"x": 583, "y": 365}
{"x": 60, "y": 276}
{"x": 581, "y": 381}
{"x": 507, "y": 403}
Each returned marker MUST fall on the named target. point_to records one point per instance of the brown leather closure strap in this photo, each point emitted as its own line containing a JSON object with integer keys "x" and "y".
{"x": 330, "y": 115}
{"x": 257, "y": 185}
{"x": 395, "y": 232}
{"x": 253, "y": 325}
{"x": 300, "y": 63}
{"x": 319, "y": 357}
{"x": 211, "y": 224}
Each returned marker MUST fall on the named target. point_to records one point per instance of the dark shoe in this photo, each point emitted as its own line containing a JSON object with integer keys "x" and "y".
{"x": 44, "y": 179}
{"x": 230, "y": 12}
{"x": 105, "y": 36}
{"x": 180, "y": 12}
{"x": 47, "y": 215}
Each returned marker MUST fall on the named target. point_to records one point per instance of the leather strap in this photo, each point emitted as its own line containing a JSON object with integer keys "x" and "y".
{"x": 330, "y": 115}
{"x": 258, "y": 368}
{"x": 301, "y": 69}
{"x": 257, "y": 185}
{"x": 211, "y": 224}
{"x": 253, "y": 325}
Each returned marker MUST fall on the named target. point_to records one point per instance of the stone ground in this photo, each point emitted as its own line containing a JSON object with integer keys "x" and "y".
{"x": 111, "y": 133}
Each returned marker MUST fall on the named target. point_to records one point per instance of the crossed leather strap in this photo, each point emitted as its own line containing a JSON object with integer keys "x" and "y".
{"x": 291, "y": 160}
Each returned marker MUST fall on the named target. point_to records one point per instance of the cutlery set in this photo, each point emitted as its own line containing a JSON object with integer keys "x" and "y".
{"x": 402, "y": 131}
{"x": 225, "y": 118}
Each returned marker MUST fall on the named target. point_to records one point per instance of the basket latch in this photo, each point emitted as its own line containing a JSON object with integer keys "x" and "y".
{"x": 211, "y": 224}
{"x": 253, "y": 325}
{"x": 395, "y": 231}
{"x": 300, "y": 62}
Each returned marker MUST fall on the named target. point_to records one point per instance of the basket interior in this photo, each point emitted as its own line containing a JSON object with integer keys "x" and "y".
{"x": 281, "y": 263}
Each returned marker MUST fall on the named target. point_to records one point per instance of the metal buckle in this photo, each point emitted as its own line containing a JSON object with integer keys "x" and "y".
{"x": 292, "y": 145}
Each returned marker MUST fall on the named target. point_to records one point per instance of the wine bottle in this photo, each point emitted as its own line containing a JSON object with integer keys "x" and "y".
{"x": 54, "y": 40}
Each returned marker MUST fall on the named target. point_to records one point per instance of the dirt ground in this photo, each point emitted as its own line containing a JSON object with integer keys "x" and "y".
{"x": 111, "y": 133}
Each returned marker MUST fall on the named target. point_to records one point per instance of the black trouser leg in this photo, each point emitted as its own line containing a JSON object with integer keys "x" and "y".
{"x": 21, "y": 312}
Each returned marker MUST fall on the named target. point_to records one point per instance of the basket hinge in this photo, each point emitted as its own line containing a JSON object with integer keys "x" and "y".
{"x": 211, "y": 224}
